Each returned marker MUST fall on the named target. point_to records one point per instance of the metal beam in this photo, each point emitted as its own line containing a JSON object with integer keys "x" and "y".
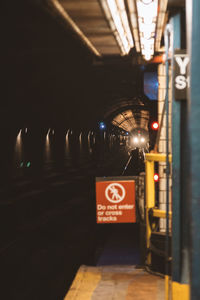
{"x": 55, "y": 4}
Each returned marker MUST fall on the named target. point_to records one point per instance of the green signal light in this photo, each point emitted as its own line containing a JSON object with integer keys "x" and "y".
{"x": 28, "y": 164}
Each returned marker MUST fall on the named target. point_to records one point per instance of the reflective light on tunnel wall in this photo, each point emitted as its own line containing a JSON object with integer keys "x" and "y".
{"x": 47, "y": 146}
{"x": 90, "y": 133}
{"x": 67, "y": 142}
{"x": 18, "y": 149}
{"x": 80, "y": 139}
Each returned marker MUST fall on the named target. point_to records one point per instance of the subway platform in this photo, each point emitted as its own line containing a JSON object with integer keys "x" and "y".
{"x": 117, "y": 274}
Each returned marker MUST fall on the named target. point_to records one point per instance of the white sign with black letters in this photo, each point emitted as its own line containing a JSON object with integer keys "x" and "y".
{"x": 181, "y": 77}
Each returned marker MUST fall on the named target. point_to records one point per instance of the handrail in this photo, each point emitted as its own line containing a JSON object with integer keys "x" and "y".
{"x": 160, "y": 213}
{"x": 157, "y": 157}
{"x": 167, "y": 35}
{"x": 72, "y": 25}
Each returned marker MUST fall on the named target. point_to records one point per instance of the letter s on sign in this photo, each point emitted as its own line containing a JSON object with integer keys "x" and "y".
{"x": 180, "y": 82}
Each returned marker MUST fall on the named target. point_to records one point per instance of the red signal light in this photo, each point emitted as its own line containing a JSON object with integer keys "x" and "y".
{"x": 156, "y": 177}
{"x": 155, "y": 125}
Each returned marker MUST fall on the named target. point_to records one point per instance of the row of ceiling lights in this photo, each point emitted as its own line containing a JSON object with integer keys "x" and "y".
{"x": 136, "y": 22}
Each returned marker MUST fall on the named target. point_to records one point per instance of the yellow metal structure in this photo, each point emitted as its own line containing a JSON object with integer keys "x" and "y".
{"x": 151, "y": 158}
{"x": 173, "y": 290}
{"x": 167, "y": 288}
{"x": 150, "y": 193}
{"x": 180, "y": 291}
{"x": 157, "y": 157}
{"x": 161, "y": 213}
{"x": 150, "y": 201}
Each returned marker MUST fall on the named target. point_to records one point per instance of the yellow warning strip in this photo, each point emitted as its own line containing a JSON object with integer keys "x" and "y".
{"x": 80, "y": 291}
{"x": 180, "y": 291}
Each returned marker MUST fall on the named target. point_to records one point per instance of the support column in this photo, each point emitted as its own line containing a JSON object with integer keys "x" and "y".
{"x": 193, "y": 21}
{"x": 176, "y": 165}
{"x": 180, "y": 220}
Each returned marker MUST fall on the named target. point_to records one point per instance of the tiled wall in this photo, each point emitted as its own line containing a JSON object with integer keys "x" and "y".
{"x": 162, "y": 143}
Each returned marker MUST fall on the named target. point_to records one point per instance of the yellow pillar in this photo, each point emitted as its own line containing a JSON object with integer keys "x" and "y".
{"x": 150, "y": 201}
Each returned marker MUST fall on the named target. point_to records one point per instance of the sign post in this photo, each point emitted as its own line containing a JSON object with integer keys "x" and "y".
{"x": 115, "y": 200}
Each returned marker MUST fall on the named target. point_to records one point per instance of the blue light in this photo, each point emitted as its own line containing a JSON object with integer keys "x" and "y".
{"x": 102, "y": 125}
{"x": 127, "y": 133}
{"x": 151, "y": 85}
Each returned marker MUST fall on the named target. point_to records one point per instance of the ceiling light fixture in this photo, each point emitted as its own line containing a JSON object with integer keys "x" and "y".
{"x": 136, "y": 23}
{"x": 147, "y": 20}
{"x": 116, "y": 15}
{"x": 147, "y": 11}
{"x": 160, "y": 22}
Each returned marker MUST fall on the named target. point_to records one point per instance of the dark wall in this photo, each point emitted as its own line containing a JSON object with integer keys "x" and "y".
{"x": 48, "y": 76}
{"x": 45, "y": 72}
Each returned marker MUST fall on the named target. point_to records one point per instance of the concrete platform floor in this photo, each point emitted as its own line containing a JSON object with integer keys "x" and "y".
{"x": 115, "y": 283}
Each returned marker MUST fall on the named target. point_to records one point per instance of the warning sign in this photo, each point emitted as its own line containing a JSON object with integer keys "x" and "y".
{"x": 115, "y": 200}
